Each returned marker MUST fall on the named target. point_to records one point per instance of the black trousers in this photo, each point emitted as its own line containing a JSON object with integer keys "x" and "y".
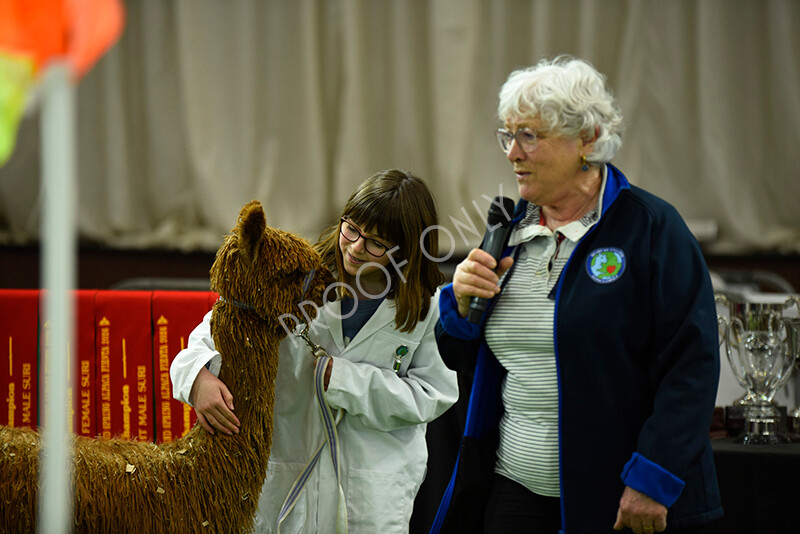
{"x": 514, "y": 509}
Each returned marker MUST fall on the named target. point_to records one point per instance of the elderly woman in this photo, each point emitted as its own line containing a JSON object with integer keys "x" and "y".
{"x": 597, "y": 360}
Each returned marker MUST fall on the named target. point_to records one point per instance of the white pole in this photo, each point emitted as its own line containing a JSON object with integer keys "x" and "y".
{"x": 58, "y": 272}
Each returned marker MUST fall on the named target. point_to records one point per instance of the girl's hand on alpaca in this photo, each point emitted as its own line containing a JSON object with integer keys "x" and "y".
{"x": 213, "y": 404}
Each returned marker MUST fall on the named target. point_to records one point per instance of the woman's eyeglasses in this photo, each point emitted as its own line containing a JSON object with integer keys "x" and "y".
{"x": 526, "y": 139}
{"x": 352, "y": 234}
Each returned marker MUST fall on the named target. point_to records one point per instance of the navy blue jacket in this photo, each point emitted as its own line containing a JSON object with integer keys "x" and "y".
{"x": 637, "y": 358}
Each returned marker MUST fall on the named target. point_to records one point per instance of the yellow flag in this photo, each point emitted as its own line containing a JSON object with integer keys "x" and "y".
{"x": 16, "y": 80}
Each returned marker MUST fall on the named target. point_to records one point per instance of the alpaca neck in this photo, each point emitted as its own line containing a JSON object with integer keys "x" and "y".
{"x": 249, "y": 349}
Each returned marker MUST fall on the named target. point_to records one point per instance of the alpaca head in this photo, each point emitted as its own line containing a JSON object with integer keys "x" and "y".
{"x": 268, "y": 271}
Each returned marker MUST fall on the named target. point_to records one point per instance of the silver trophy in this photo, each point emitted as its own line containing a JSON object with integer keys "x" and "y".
{"x": 760, "y": 352}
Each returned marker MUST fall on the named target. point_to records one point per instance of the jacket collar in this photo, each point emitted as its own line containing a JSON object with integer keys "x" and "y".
{"x": 383, "y": 316}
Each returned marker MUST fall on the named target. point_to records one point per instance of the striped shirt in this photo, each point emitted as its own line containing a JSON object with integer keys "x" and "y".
{"x": 520, "y": 334}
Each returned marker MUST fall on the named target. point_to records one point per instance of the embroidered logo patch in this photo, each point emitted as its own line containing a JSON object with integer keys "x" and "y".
{"x": 605, "y": 265}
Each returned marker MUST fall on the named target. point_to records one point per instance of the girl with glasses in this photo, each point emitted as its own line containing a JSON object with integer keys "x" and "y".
{"x": 385, "y": 379}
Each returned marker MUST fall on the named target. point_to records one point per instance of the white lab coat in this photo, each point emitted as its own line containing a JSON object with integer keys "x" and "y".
{"x": 382, "y": 432}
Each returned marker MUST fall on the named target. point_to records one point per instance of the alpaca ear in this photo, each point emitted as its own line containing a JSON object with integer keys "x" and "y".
{"x": 252, "y": 223}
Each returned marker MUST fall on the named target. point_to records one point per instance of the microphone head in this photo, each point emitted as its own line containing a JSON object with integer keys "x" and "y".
{"x": 500, "y": 211}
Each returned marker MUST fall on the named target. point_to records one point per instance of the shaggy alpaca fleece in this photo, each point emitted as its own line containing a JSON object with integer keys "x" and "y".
{"x": 201, "y": 482}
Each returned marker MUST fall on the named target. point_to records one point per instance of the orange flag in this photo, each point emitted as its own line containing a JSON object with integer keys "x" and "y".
{"x": 32, "y": 32}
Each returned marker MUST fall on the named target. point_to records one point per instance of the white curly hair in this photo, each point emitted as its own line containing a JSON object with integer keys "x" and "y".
{"x": 571, "y": 98}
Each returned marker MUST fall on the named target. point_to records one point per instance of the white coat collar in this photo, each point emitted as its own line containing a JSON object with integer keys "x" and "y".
{"x": 383, "y": 316}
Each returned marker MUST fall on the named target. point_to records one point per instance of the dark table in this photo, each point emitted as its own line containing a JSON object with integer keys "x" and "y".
{"x": 760, "y": 487}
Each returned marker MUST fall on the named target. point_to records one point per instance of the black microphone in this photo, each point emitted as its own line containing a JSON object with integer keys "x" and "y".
{"x": 498, "y": 222}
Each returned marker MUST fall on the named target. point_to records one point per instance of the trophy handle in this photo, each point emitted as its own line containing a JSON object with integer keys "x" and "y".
{"x": 730, "y": 341}
{"x": 722, "y": 322}
{"x": 726, "y": 335}
{"x": 793, "y": 338}
{"x": 787, "y": 362}
{"x": 793, "y": 330}
{"x": 722, "y": 330}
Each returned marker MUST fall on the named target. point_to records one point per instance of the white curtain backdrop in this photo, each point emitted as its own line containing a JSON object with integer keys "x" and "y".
{"x": 206, "y": 104}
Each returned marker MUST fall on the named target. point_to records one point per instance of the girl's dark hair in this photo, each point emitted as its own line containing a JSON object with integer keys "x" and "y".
{"x": 396, "y": 205}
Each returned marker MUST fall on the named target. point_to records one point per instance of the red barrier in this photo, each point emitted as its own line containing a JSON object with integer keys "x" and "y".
{"x": 84, "y": 401}
{"x": 124, "y": 344}
{"x": 82, "y": 375}
{"x": 124, "y": 364}
{"x": 175, "y": 314}
{"x": 19, "y": 333}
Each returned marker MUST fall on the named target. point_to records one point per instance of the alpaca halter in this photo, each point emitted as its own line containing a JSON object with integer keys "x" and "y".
{"x": 252, "y": 309}
{"x": 307, "y": 282}
{"x": 245, "y": 307}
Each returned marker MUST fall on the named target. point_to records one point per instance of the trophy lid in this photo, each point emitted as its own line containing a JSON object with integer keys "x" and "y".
{"x": 759, "y": 297}
{"x": 786, "y": 304}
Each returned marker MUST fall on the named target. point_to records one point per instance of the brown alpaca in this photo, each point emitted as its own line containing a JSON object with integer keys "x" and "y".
{"x": 201, "y": 482}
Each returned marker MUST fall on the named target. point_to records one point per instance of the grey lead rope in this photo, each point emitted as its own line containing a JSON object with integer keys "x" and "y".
{"x": 330, "y": 422}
